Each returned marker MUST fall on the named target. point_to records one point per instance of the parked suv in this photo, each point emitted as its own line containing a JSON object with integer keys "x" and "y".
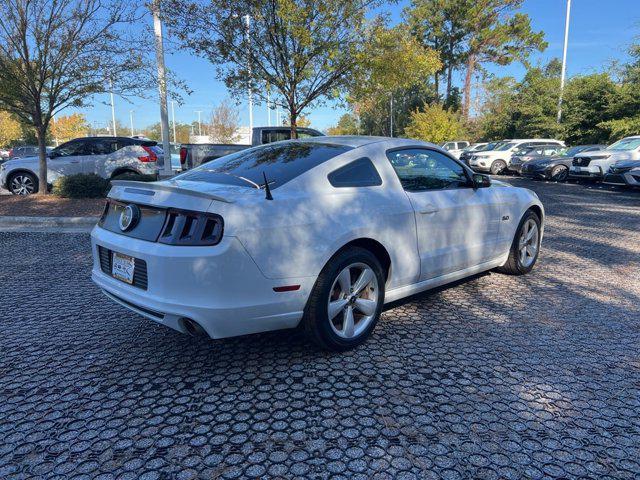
{"x": 104, "y": 156}
{"x": 596, "y": 165}
{"x": 455, "y": 148}
{"x": 497, "y": 161}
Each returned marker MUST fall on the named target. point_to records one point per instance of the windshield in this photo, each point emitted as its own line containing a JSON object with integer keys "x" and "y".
{"x": 280, "y": 162}
{"x": 570, "y": 152}
{"x": 625, "y": 144}
{"x": 504, "y": 146}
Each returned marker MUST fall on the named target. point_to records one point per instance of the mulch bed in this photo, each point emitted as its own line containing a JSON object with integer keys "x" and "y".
{"x": 49, "y": 206}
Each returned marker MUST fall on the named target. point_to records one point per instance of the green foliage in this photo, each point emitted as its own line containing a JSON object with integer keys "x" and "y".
{"x": 434, "y": 124}
{"x": 623, "y": 127}
{"x": 81, "y": 185}
{"x": 347, "y": 125}
{"x": 136, "y": 177}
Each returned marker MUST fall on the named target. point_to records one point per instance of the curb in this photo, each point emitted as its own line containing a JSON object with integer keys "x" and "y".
{"x": 47, "y": 224}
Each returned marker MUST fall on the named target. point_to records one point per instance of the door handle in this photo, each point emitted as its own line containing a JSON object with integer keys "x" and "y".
{"x": 428, "y": 209}
{"x": 74, "y": 161}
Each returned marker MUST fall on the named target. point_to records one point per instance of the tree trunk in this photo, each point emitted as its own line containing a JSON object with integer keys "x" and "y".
{"x": 41, "y": 133}
{"x": 293, "y": 117}
{"x": 435, "y": 78}
{"x": 471, "y": 66}
{"x": 449, "y": 73}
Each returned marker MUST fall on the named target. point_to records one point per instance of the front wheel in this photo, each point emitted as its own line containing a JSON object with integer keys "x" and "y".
{"x": 346, "y": 301}
{"x": 23, "y": 183}
{"x": 559, "y": 173}
{"x": 525, "y": 247}
{"x": 498, "y": 167}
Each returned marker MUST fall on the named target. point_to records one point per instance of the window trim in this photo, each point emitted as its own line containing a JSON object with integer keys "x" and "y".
{"x": 467, "y": 174}
{"x": 381, "y": 182}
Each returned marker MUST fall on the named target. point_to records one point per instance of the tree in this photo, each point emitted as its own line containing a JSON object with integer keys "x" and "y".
{"x": 304, "y": 50}
{"x": 434, "y": 124}
{"x": 56, "y": 53}
{"x": 347, "y": 125}
{"x": 224, "y": 123}
{"x": 10, "y": 129}
{"x": 68, "y": 127}
{"x": 494, "y": 36}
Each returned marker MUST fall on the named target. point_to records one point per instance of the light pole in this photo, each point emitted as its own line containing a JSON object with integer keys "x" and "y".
{"x": 247, "y": 23}
{"x": 564, "y": 60}
{"x": 173, "y": 119}
{"x": 131, "y": 120}
{"x": 199, "y": 123}
{"x": 162, "y": 88}
{"x": 268, "y": 108}
{"x": 113, "y": 109}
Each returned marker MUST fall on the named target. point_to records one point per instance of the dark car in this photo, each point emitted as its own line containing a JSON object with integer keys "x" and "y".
{"x": 555, "y": 167}
{"x": 532, "y": 152}
{"x": 624, "y": 172}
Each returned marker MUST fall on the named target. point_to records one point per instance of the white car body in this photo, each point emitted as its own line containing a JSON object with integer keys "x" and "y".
{"x": 455, "y": 148}
{"x": 595, "y": 165}
{"x": 484, "y": 161}
{"x": 103, "y": 156}
{"x": 428, "y": 238}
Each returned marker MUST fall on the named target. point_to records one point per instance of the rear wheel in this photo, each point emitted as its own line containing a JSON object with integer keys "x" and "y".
{"x": 498, "y": 167}
{"x": 346, "y": 301}
{"x": 23, "y": 183}
{"x": 525, "y": 247}
{"x": 559, "y": 173}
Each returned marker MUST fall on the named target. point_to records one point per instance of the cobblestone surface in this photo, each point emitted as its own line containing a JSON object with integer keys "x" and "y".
{"x": 495, "y": 377}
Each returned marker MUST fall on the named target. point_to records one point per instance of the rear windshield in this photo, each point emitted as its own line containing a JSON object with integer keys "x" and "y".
{"x": 280, "y": 162}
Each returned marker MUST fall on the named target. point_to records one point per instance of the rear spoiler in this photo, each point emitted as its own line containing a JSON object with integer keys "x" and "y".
{"x": 150, "y": 188}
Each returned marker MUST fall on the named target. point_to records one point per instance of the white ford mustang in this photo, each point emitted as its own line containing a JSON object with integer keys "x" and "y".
{"x": 320, "y": 232}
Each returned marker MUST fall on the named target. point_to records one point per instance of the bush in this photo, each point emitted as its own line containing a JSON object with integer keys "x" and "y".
{"x": 81, "y": 185}
{"x": 435, "y": 124}
{"x": 135, "y": 177}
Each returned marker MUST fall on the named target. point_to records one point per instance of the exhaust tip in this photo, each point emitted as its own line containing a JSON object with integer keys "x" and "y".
{"x": 193, "y": 328}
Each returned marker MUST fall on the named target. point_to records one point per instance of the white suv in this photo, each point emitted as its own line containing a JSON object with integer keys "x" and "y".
{"x": 497, "y": 161}
{"x": 596, "y": 165}
{"x": 107, "y": 157}
{"x": 455, "y": 148}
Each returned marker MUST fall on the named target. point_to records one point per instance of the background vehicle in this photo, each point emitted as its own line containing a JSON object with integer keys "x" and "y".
{"x": 322, "y": 231}
{"x": 624, "y": 172}
{"x": 525, "y": 154}
{"x": 195, "y": 154}
{"x": 4, "y": 154}
{"x": 497, "y": 160}
{"x": 468, "y": 152}
{"x": 25, "y": 151}
{"x": 595, "y": 165}
{"x": 555, "y": 167}
{"x": 104, "y": 156}
{"x": 455, "y": 148}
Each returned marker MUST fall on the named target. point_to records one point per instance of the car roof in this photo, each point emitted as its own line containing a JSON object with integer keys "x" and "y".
{"x": 356, "y": 141}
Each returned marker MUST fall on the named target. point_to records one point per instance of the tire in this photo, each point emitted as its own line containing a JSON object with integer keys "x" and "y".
{"x": 517, "y": 264}
{"x": 559, "y": 173}
{"x": 355, "y": 313}
{"x": 22, "y": 183}
{"x": 498, "y": 167}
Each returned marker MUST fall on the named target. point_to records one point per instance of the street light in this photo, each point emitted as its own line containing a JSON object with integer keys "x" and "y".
{"x": 173, "y": 120}
{"x": 564, "y": 60}
{"x": 199, "y": 123}
{"x": 113, "y": 109}
{"x": 131, "y": 120}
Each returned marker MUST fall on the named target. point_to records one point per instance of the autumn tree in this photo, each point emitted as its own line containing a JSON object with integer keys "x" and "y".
{"x": 224, "y": 123}
{"x": 57, "y": 53}
{"x": 68, "y": 127}
{"x": 305, "y": 50}
{"x": 434, "y": 124}
{"x": 10, "y": 129}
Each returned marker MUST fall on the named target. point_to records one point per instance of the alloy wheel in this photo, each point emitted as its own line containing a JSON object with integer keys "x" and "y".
{"x": 528, "y": 243}
{"x": 22, "y": 185}
{"x": 353, "y": 300}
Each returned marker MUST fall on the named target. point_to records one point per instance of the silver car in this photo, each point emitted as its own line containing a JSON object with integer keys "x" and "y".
{"x": 107, "y": 157}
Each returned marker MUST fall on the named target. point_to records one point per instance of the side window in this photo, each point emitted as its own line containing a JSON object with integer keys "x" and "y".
{"x": 102, "y": 146}
{"x": 449, "y": 146}
{"x": 72, "y": 148}
{"x": 359, "y": 173}
{"x": 270, "y": 136}
{"x": 421, "y": 169}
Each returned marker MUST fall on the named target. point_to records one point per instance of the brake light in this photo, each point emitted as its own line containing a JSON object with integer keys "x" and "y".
{"x": 152, "y": 157}
{"x": 11, "y": 152}
{"x": 183, "y": 155}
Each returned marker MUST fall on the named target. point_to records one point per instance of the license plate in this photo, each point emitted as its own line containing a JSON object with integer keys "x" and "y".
{"x": 122, "y": 267}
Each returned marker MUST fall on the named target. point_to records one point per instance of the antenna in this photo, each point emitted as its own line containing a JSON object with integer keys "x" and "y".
{"x": 267, "y": 189}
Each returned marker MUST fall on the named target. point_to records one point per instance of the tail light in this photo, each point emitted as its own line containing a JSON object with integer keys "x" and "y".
{"x": 11, "y": 152}
{"x": 152, "y": 157}
{"x": 191, "y": 228}
{"x": 183, "y": 155}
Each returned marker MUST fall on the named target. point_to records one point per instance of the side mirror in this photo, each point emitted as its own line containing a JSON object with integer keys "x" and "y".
{"x": 481, "y": 181}
{"x": 53, "y": 154}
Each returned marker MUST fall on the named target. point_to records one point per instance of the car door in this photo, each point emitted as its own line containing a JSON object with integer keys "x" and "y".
{"x": 457, "y": 225}
{"x": 67, "y": 159}
{"x": 99, "y": 154}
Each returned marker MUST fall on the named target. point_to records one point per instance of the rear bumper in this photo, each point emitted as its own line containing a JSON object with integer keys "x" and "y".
{"x": 219, "y": 287}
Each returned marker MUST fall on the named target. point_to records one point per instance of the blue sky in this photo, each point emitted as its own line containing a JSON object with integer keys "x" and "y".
{"x": 600, "y": 32}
